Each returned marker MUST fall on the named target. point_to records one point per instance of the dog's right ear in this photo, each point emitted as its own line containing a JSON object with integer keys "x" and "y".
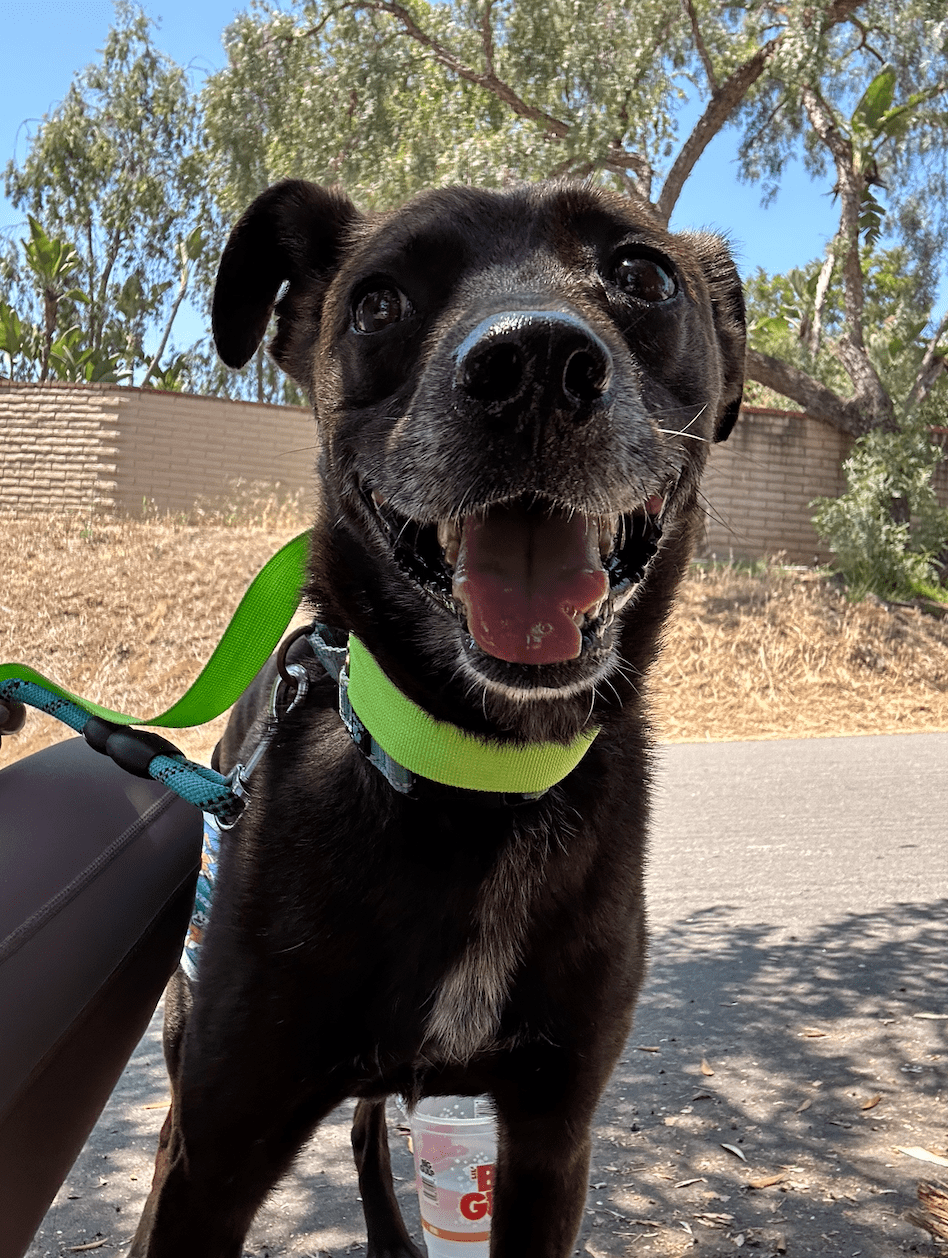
{"x": 294, "y": 233}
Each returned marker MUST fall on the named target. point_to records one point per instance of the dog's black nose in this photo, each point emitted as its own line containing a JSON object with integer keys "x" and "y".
{"x": 533, "y": 356}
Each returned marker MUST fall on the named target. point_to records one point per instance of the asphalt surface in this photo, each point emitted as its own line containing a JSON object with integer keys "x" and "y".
{"x": 796, "y": 1011}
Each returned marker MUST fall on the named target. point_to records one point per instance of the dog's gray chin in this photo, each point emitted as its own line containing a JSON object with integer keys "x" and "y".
{"x": 484, "y": 673}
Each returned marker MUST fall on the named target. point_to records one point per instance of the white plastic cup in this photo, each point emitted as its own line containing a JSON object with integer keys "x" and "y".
{"x": 454, "y": 1141}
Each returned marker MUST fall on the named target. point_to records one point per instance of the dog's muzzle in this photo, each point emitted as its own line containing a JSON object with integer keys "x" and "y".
{"x": 536, "y": 580}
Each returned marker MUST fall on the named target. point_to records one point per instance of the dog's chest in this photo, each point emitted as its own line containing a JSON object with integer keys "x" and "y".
{"x": 471, "y": 997}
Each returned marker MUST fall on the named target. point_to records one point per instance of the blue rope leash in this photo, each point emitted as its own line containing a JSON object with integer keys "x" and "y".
{"x": 137, "y": 751}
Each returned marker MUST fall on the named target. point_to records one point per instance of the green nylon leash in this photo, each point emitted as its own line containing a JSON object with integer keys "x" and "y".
{"x": 251, "y": 637}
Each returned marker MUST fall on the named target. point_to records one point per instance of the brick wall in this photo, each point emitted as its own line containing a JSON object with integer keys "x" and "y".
{"x": 79, "y": 447}
{"x": 106, "y": 447}
{"x": 175, "y": 448}
{"x": 760, "y": 482}
{"x": 57, "y": 447}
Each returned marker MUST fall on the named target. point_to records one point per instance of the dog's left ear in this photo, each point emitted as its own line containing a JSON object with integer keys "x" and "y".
{"x": 293, "y": 234}
{"x": 730, "y": 323}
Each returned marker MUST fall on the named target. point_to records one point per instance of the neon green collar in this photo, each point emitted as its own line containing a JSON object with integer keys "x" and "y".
{"x": 441, "y": 752}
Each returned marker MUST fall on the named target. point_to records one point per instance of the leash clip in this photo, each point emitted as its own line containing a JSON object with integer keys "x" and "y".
{"x": 291, "y": 675}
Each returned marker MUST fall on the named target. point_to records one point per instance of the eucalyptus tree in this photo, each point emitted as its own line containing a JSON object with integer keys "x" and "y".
{"x": 117, "y": 170}
{"x": 387, "y": 96}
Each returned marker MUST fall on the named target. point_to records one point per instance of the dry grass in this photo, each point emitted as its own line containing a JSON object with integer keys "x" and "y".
{"x": 126, "y": 613}
{"x": 781, "y": 653}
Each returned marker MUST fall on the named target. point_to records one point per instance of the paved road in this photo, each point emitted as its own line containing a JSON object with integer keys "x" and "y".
{"x": 796, "y": 831}
{"x": 799, "y": 904}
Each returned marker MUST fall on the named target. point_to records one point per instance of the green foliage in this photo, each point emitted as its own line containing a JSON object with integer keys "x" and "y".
{"x": 887, "y": 529}
{"x": 117, "y": 171}
{"x": 782, "y": 313}
{"x": 388, "y": 98}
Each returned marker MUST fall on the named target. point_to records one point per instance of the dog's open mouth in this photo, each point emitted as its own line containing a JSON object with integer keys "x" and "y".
{"x": 535, "y": 584}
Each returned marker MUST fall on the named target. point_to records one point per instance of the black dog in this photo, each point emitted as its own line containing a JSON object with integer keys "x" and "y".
{"x": 514, "y": 394}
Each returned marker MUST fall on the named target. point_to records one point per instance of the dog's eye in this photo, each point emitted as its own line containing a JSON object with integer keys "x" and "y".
{"x": 379, "y": 308}
{"x": 645, "y": 278}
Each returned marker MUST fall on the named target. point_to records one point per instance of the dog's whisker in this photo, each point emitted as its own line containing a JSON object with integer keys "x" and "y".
{"x": 713, "y": 514}
{"x": 674, "y": 432}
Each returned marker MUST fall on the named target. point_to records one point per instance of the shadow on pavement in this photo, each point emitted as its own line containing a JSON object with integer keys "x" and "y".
{"x": 823, "y": 1063}
{"x": 806, "y": 1054}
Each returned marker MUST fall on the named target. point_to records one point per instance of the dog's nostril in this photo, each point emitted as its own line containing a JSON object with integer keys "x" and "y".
{"x": 587, "y": 375}
{"x": 493, "y": 372}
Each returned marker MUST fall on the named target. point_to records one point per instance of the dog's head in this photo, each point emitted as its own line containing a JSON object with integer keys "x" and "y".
{"x": 515, "y": 392}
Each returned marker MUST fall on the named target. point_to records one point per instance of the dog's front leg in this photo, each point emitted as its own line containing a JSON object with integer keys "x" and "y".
{"x": 387, "y": 1237}
{"x": 545, "y": 1101}
{"x": 542, "y": 1178}
{"x": 247, "y": 1092}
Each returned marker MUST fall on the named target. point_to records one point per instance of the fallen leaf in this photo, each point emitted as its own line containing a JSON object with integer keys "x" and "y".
{"x": 686, "y": 1182}
{"x": 872, "y": 1102}
{"x": 78, "y": 1249}
{"x": 932, "y": 1017}
{"x": 732, "y": 1148}
{"x": 767, "y": 1181}
{"x": 813, "y": 1033}
{"x": 157, "y": 1105}
{"x": 705, "y": 1068}
{"x": 645, "y": 1048}
{"x": 714, "y": 1220}
{"x": 923, "y": 1155}
{"x": 803, "y": 1105}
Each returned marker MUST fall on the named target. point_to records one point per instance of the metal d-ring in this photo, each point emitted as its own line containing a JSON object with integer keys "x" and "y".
{"x": 292, "y": 678}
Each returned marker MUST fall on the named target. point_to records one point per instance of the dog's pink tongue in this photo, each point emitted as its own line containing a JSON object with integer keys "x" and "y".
{"x": 526, "y": 578}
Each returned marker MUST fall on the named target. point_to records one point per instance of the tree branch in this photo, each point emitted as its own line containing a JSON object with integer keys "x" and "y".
{"x": 689, "y": 9}
{"x": 487, "y": 36}
{"x": 851, "y": 186}
{"x": 724, "y": 100}
{"x": 487, "y": 80}
{"x": 182, "y": 289}
{"x": 929, "y": 370}
{"x": 819, "y": 300}
{"x": 817, "y": 400}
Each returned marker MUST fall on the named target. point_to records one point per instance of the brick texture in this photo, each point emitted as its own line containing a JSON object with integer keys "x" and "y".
{"x": 760, "y": 482}
{"x": 116, "y": 449}
{"x": 111, "y": 448}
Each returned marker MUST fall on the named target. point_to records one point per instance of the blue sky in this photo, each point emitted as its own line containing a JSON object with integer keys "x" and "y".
{"x": 46, "y": 41}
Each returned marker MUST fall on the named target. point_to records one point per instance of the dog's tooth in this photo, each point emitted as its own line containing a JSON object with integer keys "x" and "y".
{"x": 449, "y": 539}
{"x": 608, "y": 527}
